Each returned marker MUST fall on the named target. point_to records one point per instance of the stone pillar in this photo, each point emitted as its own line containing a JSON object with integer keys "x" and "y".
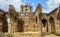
{"x": 9, "y": 28}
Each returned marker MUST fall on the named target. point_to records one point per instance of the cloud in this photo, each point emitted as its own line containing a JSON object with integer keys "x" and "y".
{"x": 16, "y": 4}
{"x": 52, "y": 4}
{"x": 33, "y": 6}
{"x": 44, "y": 11}
{"x": 5, "y": 3}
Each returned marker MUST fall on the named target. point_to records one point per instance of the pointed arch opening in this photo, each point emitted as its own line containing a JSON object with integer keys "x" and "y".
{"x": 52, "y": 22}
{"x": 45, "y": 24}
{"x": 20, "y": 25}
{"x": 44, "y": 21}
{"x": 5, "y": 26}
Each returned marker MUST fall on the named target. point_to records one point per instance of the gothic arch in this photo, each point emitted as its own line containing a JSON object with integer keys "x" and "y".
{"x": 4, "y": 23}
{"x": 44, "y": 21}
{"x": 5, "y": 26}
{"x": 52, "y": 22}
{"x": 21, "y": 25}
{"x": 45, "y": 24}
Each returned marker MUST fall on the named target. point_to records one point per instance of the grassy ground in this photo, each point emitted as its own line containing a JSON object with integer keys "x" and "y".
{"x": 57, "y": 34}
{"x": 34, "y": 34}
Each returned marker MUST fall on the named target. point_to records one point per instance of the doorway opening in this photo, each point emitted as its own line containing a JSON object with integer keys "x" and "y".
{"x": 52, "y": 22}
{"x": 20, "y": 25}
{"x": 45, "y": 24}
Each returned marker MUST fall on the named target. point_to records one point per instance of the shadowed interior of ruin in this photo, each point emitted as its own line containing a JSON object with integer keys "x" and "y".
{"x": 45, "y": 24}
{"x": 52, "y": 23}
{"x": 20, "y": 25}
{"x": 44, "y": 21}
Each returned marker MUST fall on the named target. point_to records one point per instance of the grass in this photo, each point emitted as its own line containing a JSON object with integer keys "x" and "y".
{"x": 57, "y": 34}
{"x": 52, "y": 32}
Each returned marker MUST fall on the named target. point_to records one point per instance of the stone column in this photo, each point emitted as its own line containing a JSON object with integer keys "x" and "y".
{"x": 9, "y": 28}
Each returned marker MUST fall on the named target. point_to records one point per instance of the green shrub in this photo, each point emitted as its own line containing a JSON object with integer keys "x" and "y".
{"x": 57, "y": 34}
{"x": 52, "y": 32}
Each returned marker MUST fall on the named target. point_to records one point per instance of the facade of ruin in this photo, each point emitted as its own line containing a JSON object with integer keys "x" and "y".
{"x": 28, "y": 21}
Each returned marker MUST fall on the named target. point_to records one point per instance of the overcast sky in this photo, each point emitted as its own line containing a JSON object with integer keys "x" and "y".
{"x": 48, "y": 5}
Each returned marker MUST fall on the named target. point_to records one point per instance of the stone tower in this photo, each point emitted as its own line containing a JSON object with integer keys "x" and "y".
{"x": 25, "y": 14}
{"x": 25, "y": 8}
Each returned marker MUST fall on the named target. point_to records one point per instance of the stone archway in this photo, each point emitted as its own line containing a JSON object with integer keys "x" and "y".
{"x": 20, "y": 25}
{"x": 4, "y": 26}
{"x": 45, "y": 24}
{"x": 52, "y": 22}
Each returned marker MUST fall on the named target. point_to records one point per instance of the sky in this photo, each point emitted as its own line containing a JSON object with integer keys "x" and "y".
{"x": 47, "y": 5}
